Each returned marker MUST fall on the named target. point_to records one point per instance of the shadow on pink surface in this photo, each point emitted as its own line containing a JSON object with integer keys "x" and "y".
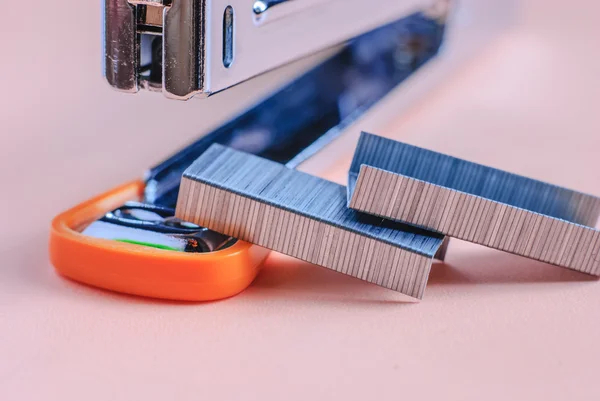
{"x": 285, "y": 277}
{"x": 476, "y": 265}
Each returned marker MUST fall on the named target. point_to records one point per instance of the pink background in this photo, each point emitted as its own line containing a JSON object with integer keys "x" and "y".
{"x": 492, "y": 326}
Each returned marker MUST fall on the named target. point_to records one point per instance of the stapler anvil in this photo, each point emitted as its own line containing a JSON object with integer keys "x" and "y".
{"x": 128, "y": 239}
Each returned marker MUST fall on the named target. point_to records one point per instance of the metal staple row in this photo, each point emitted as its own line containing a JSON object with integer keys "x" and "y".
{"x": 303, "y": 216}
{"x": 475, "y": 203}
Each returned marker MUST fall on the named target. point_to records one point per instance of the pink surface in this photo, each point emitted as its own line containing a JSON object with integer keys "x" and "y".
{"x": 491, "y": 326}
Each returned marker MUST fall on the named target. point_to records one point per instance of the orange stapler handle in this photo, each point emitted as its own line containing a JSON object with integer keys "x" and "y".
{"x": 145, "y": 271}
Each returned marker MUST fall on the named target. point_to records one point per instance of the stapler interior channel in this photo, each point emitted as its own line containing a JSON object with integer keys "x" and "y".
{"x": 128, "y": 239}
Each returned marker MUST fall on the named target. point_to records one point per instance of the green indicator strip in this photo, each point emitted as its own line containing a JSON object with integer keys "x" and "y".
{"x": 149, "y": 244}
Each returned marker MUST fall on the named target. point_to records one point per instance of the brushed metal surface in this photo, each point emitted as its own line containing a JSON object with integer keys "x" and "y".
{"x": 121, "y": 46}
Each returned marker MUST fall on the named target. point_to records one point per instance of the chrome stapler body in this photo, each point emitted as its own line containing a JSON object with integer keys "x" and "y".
{"x": 187, "y": 48}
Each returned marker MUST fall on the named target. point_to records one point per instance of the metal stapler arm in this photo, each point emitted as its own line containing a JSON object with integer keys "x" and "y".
{"x": 186, "y": 48}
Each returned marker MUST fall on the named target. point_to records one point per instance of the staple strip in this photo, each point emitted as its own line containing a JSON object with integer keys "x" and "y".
{"x": 475, "y": 203}
{"x": 303, "y": 216}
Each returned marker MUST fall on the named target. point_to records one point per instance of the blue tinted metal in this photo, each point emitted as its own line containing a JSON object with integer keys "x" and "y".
{"x": 315, "y": 107}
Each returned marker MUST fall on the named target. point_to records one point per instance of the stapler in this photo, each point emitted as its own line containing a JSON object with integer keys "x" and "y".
{"x": 127, "y": 239}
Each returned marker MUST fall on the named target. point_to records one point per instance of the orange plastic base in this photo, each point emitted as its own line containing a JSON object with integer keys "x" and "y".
{"x": 146, "y": 271}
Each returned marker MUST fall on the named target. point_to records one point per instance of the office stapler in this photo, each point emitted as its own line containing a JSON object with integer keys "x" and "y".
{"x": 127, "y": 239}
